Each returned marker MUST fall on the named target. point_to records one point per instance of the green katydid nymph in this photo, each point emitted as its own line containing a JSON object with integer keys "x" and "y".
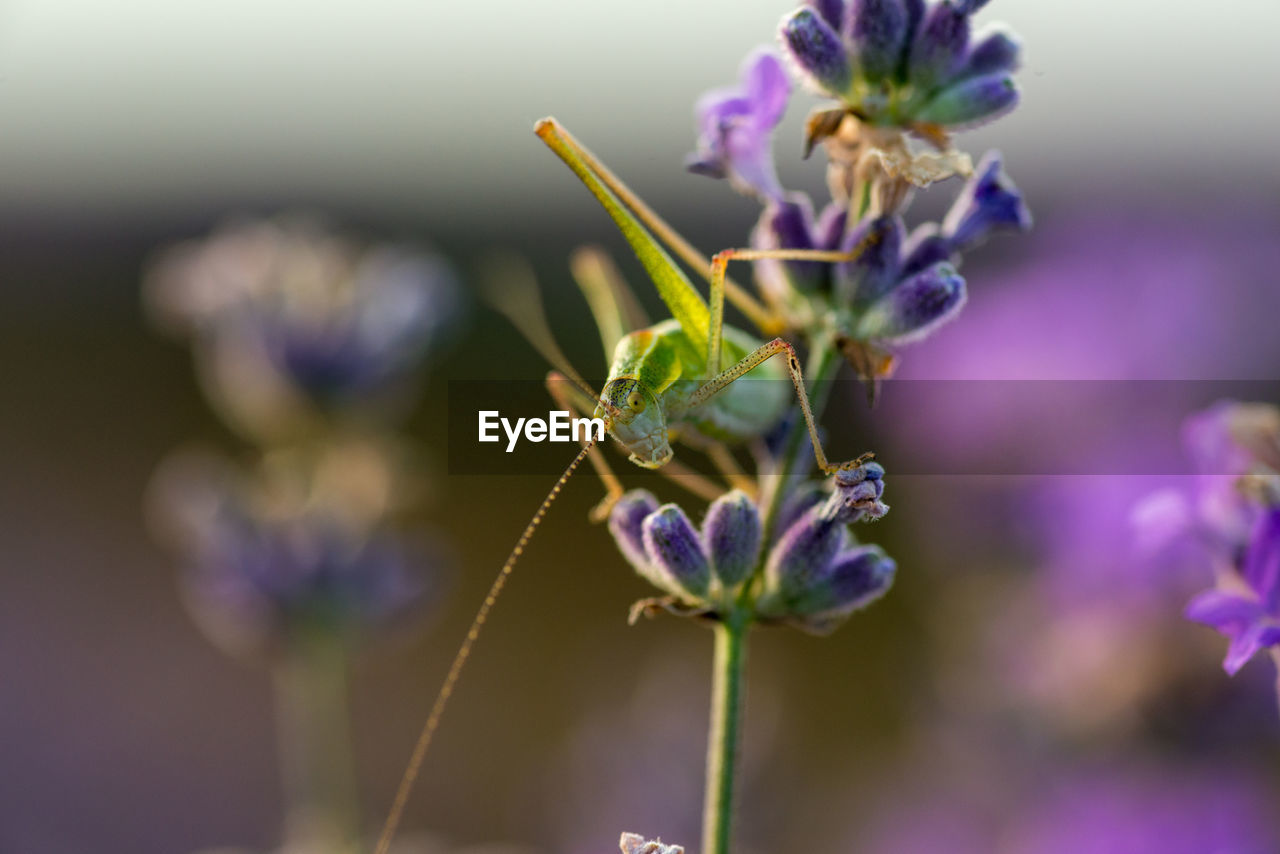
{"x": 673, "y": 380}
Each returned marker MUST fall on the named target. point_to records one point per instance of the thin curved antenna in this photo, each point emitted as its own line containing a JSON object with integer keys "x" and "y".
{"x": 460, "y": 659}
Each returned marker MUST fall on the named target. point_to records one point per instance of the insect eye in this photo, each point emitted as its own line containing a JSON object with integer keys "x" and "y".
{"x": 635, "y": 401}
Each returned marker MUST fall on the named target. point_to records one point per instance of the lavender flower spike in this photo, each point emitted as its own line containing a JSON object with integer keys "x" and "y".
{"x": 905, "y": 64}
{"x": 735, "y": 127}
{"x": 1250, "y": 618}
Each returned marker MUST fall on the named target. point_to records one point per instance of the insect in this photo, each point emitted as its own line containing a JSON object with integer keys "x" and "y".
{"x": 677, "y": 379}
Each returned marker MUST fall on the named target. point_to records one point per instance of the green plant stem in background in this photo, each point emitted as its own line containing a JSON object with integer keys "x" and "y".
{"x": 315, "y": 743}
{"x": 728, "y": 684}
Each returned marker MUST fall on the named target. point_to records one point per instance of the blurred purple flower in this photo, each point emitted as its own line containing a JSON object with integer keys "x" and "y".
{"x": 1120, "y": 809}
{"x": 735, "y": 127}
{"x": 1235, "y": 516}
{"x": 283, "y": 310}
{"x": 259, "y": 566}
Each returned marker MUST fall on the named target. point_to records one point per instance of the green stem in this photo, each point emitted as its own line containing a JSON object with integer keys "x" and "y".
{"x": 315, "y": 743}
{"x": 729, "y": 680}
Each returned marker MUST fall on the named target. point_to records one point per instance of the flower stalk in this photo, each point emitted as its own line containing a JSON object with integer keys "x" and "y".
{"x": 314, "y": 731}
{"x": 724, "y": 735}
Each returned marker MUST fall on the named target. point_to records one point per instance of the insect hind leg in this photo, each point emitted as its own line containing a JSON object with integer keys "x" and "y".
{"x": 753, "y": 360}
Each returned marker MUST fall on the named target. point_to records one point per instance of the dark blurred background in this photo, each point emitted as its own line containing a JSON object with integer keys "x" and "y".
{"x": 1144, "y": 149}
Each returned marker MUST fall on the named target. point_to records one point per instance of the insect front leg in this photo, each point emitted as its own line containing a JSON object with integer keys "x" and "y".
{"x": 753, "y": 360}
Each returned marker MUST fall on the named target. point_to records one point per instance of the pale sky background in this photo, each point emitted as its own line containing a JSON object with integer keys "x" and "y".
{"x": 143, "y": 107}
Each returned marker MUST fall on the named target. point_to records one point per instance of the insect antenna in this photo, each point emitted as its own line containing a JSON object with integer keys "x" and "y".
{"x": 464, "y": 652}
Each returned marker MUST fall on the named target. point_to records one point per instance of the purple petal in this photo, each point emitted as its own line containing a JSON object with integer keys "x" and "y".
{"x": 1244, "y": 645}
{"x": 1262, "y": 560}
{"x": 989, "y": 202}
{"x": 735, "y": 127}
{"x": 1226, "y": 612}
{"x": 767, "y": 86}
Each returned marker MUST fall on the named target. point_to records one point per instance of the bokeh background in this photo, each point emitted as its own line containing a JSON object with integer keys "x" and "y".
{"x": 1029, "y": 672}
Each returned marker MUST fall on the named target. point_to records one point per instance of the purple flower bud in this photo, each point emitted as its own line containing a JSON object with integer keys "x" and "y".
{"x": 675, "y": 551}
{"x": 925, "y": 247}
{"x": 996, "y": 52}
{"x": 915, "y": 307}
{"x": 972, "y": 101}
{"x": 855, "y": 579}
{"x": 626, "y": 524}
{"x": 940, "y": 46}
{"x": 803, "y": 552}
{"x": 875, "y": 271}
{"x": 735, "y": 127}
{"x": 970, "y": 6}
{"x": 878, "y": 30}
{"x": 832, "y": 11}
{"x": 988, "y": 202}
{"x": 731, "y": 533}
{"x": 817, "y": 51}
